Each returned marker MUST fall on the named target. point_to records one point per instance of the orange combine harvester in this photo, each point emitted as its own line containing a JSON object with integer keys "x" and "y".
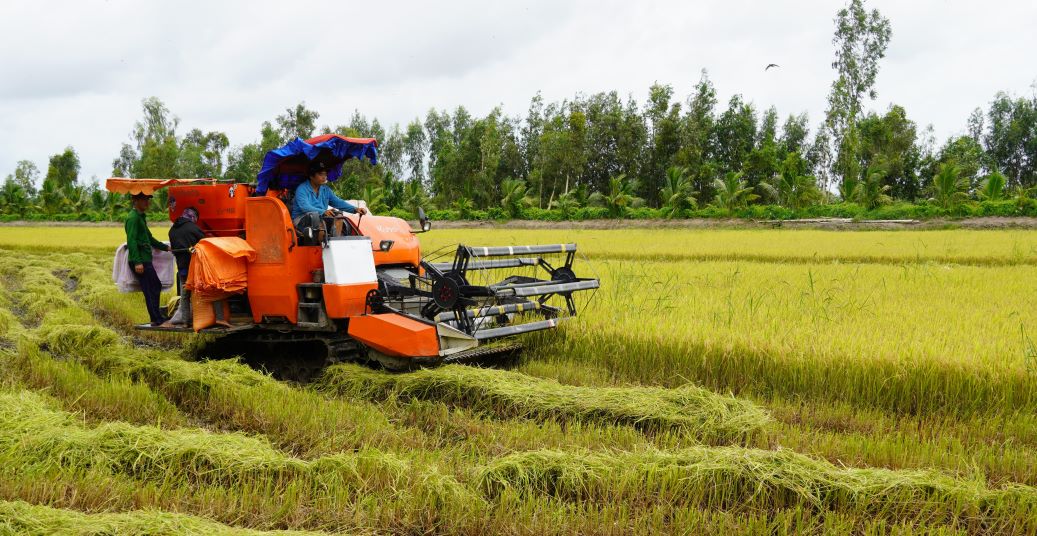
{"x": 368, "y": 295}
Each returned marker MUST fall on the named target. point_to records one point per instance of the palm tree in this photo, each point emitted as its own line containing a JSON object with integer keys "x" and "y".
{"x": 949, "y": 187}
{"x": 871, "y": 192}
{"x": 464, "y": 207}
{"x": 620, "y": 196}
{"x": 792, "y": 190}
{"x": 14, "y": 199}
{"x": 732, "y": 192}
{"x": 848, "y": 190}
{"x": 414, "y": 196}
{"x": 51, "y": 199}
{"x": 677, "y": 195}
{"x": 513, "y": 196}
{"x": 992, "y": 188}
{"x": 372, "y": 194}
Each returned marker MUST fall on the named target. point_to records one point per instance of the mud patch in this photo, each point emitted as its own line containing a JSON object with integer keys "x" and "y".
{"x": 69, "y": 282}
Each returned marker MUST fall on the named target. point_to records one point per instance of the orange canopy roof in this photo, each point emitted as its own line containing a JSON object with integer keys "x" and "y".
{"x": 118, "y": 185}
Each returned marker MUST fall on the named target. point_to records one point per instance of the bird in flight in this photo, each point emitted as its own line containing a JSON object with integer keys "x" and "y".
{"x": 767, "y": 68}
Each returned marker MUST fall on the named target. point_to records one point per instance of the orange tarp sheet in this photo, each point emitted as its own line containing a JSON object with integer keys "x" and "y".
{"x": 142, "y": 186}
{"x": 219, "y": 267}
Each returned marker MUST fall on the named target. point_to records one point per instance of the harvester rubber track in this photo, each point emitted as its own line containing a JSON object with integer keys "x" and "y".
{"x": 289, "y": 356}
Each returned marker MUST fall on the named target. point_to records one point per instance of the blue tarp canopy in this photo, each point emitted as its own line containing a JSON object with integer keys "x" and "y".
{"x": 288, "y": 166}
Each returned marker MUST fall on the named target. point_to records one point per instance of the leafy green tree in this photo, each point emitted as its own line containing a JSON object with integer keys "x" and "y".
{"x": 25, "y": 176}
{"x": 663, "y": 118}
{"x": 732, "y": 191}
{"x": 437, "y": 132}
{"x": 392, "y": 191}
{"x": 992, "y": 188}
{"x": 1011, "y": 139}
{"x": 296, "y": 122}
{"x": 967, "y": 155}
{"x": 794, "y": 134}
{"x": 415, "y": 145}
{"x": 615, "y": 137}
{"x": 677, "y": 195}
{"x": 244, "y": 163}
{"x": 891, "y": 139}
{"x": 949, "y": 188}
{"x": 201, "y": 154}
{"x": 860, "y": 40}
{"x": 735, "y": 132}
{"x": 532, "y": 129}
{"x": 63, "y": 169}
{"x": 562, "y": 152}
{"x": 697, "y": 142}
{"x": 391, "y": 152}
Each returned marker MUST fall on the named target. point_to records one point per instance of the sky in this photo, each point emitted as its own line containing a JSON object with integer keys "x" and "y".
{"x": 74, "y": 73}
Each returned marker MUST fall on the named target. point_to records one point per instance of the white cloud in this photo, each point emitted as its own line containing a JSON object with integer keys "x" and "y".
{"x": 73, "y": 73}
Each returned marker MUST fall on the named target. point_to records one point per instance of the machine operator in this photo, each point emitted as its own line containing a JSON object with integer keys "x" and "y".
{"x": 312, "y": 201}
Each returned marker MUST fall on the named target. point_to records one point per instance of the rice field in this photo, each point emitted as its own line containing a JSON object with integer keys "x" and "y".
{"x": 726, "y": 381}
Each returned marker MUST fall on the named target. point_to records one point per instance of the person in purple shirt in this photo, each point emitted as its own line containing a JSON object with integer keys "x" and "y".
{"x": 312, "y": 201}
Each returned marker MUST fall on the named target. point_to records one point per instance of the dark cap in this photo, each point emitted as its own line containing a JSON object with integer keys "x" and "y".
{"x": 318, "y": 166}
{"x": 142, "y": 195}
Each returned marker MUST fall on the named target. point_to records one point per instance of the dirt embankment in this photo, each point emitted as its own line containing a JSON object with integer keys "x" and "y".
{"x": 993, "y": 222}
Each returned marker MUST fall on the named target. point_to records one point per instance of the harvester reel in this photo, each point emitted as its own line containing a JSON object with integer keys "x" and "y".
{"x": 563, "y": 274}
{"x": 445, "y": 292}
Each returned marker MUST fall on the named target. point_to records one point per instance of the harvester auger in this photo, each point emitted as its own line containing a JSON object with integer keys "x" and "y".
{"x": 294, "y": 305}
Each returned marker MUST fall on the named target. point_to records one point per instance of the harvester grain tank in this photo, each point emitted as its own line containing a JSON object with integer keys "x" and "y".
{"x": 370, "y": 294}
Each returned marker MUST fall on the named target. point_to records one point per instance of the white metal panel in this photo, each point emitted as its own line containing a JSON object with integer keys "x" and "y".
{"x": 349, "y": 261}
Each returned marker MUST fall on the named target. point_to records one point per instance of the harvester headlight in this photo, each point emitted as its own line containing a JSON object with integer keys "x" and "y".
{"x": 385, "y": 245}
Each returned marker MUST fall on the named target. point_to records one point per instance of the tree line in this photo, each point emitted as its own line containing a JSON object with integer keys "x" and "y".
{"x": 606, "y": 155}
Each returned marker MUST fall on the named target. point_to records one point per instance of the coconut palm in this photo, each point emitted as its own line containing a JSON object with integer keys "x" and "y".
{"x": 732, "y": 192}
{"x": 14, "y": 199}
{"x": 513, "y": 196}
{"x": 464, "y": 207}
{"x": 949, "y": 187}
{"x": 791, "y": 189}
{"x": 677, "y": 195}
{"x": 414, "y": 196}
{"x": 992, "y": 188}
{"x": 872, "y": 192}
{"x": 372, "y": 194}
{"x": 620, "y": 196}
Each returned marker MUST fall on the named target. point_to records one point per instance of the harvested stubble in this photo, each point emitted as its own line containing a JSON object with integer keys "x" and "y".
{"x": 109, "y": 398}
{"x": 20, "y": 517}
{"x": 234, "y": 396}
{"x": 732, "y": 478}
{"x": 690, "y": 410}
{"x": 38, "y": 441}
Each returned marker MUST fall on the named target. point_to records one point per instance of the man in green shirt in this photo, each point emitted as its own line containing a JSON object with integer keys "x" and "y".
{"x": 139, "y": 243}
